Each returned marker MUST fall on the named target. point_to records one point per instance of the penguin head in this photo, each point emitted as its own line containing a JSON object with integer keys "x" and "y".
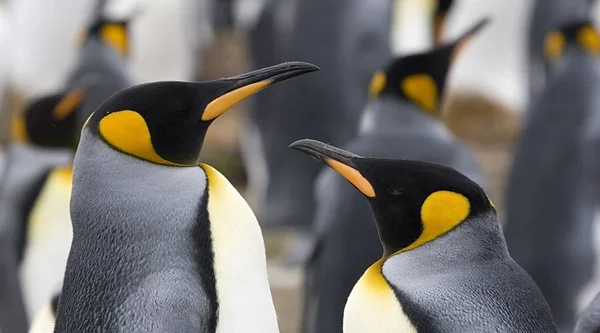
{"x": 413, "y": 202}
{"x": 581, "y": 35}
{"x": 165, "y": 122}
{"x": 112, "y": 32}
{"x": 440, "y": 15}
{"x": 421, "y": 78}
{"x": 50, "y": 121}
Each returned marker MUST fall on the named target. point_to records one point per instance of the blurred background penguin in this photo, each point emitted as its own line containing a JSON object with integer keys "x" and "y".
{"x": 501, "y": 83}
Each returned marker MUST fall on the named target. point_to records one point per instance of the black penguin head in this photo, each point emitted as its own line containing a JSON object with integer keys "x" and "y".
{"x": 413, "y": 202}
{"x": 112, "y": 32}
{"x": 421, "y": 78}
{"x": 440, "y": 15}
{"x": 581, "y": 35}
{"x": 50, "y": 121}
{"x": 165, "y": 122}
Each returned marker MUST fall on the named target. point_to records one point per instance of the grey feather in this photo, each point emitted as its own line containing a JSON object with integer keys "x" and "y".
{"x": 550, "y": 196}
{"x": 128, "y": 270}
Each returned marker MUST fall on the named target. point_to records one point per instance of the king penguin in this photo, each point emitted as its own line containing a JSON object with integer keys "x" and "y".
{"x": 545, "y": 16}
{"x": 401, "y": 120}
{"x": 550, "y": 194}
{"x": 162, "y": 243}
{"x": 445, "y": 266}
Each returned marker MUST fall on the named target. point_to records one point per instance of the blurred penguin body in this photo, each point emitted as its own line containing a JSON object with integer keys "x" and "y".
{"x": 172, "y": 264}
{"x": 49, "y": 235}
{"x": 551, "y": 202}
{"x": 100, "y": 72}
{"x": 24, "y": 174}
{"x": 45, "y": 319}
{"x": 395, "y": 124}
{"x": 350, "y": 40}
{"x": 589, "y": 320}
{"x": 445, "y": 266}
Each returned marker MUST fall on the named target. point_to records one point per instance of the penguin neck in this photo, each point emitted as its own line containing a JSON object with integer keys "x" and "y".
{"x": 390, "y": 115}
{"x": 140, "y": 241}
{"x": 475, "y": 240}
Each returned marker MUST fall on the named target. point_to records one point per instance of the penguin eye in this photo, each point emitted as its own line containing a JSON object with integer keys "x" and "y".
{"x": 394, "y": 191}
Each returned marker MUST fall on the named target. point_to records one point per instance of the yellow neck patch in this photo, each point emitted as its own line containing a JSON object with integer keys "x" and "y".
{"x": 68, "y": 104}
{"x": 588, "y": 38}
{"x": 554, "y": 45}
{"x": 221, "y": 104}
{"x": 422, "y": 89}
{"x": 440, "y": 213}
{"x": 18, "y": 130}
{"x": 127, "y": 131}
{"x": 374, "y": 278}
{"x": 377, "y": 84}
{"x": 116, "y": 36}
{"x": 353, "y": 176}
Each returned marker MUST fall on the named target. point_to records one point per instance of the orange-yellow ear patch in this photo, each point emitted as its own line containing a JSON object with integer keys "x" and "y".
{"x": 18, "y": 129}
{"x": 589, "y": 39}
{"x": 127, "y": 131}
{"x": 353, "y": 176}
{"x": 221, "y": 104}
{"x": 422, "y": 89}
{"x": 377, "y": 84}
{"x": 68, "y": 104}
{"x": 115, "y": 35}
{"x": 554, "y": 45}
{"x": 440, "y": 213}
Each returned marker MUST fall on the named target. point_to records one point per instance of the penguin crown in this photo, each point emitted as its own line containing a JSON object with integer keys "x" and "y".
{"x": 413, "y": 202}
{"x": 50, "y": 121}
{"x": 581, "y": 34}
{"x": 421, "y": 78}
{"x": 165, "y": 122}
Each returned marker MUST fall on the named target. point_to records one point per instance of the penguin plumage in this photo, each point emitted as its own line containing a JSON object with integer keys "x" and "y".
{"x": 445, "y": 266}
{"x": 45, "y": 318}
{"x": 550, "y": 196}
{"x": 401, "y": 120}
{"x": 545, "y": 16}
{"x": 351, "y": 40}
{"x": 589, "y": 320}
{"x": 160, "y": 242}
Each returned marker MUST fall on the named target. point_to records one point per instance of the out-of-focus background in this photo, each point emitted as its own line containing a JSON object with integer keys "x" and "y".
{"x": 487, "y": 90}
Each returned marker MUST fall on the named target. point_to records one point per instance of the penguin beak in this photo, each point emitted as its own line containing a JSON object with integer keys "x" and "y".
{"x": 238, "y": 88}
{"x": 461, "y": 42}
{"x": 69, "y": 103}
{"x": 339, "y": 160}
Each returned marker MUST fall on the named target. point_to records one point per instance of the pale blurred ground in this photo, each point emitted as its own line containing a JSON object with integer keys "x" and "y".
{"x": 483, "y": 107}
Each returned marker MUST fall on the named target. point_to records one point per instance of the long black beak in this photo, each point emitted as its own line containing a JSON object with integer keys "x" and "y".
{"x": 236, "y": 88}
{"x": 322, "y": 152}
{"x": 339, "y": 160}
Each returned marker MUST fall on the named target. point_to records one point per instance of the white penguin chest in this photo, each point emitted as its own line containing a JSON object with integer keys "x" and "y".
{"x": 373, "y": 307}
{"x": 243, "y": 292}
{"x": 49, "y": 238}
